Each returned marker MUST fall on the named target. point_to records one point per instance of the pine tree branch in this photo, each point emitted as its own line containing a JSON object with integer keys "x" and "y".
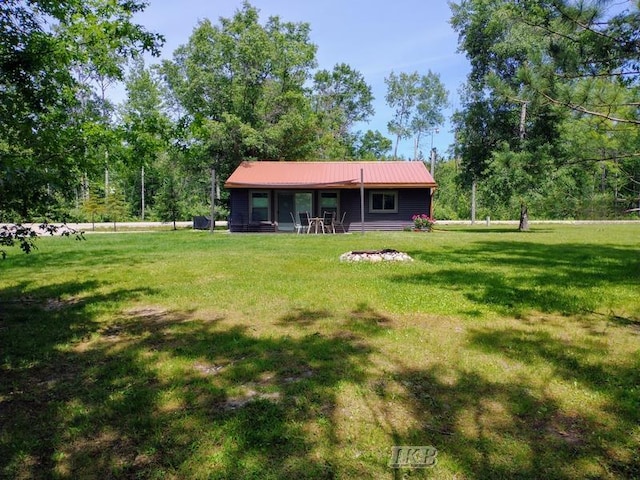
{"x": 584, "y": 26}
{"x": 578, "y": 108}
{"x": 597, "y": 75}
{"x": 605, "y": 159}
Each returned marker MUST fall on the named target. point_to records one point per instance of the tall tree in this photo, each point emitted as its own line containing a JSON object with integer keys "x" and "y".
{"x": 341, "y": 98}
{"x": 373, "y": 146}
{"x": 418, "y": 101}
{"x": 169, "y": 204}
{"x": 147, "y": 131}
{"x": 241, "y": 85}
{"x": 42, "y": 139}
{"x": 402, "y": 92}
{"x": 542, "y": 65}
{"x": 432, "y": 99}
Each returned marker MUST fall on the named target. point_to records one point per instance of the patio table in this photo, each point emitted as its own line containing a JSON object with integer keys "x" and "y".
{"x": 315, "y": 222}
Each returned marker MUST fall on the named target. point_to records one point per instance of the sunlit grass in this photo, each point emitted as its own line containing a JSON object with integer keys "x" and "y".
{"x": 190, "y": 355}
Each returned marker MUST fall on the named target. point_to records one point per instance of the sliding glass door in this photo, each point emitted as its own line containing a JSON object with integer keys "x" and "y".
{"x": 292, "y": 203}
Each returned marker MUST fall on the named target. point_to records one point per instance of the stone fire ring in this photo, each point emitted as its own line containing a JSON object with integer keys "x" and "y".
{"x": 384, "y": 255}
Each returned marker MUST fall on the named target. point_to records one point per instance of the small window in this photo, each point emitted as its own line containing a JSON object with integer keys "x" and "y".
{"x": 383, "y": 202}
{"x": 260, "y": 206}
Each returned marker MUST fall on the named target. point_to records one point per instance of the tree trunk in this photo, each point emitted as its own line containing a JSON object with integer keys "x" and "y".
{"x": 473, "y": 202}
{"x": 524, "y": 218}
{"x": 523, "y": 120}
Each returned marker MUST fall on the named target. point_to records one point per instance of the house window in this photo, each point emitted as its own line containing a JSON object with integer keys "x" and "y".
{"x": 259, "y": 205}
{"x": 383, "y": 202}
{"x": 328, "y": 202}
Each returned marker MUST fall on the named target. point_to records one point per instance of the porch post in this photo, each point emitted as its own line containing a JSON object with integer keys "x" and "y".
{"x": 362, "y": 200}
{"x": 213, "y": 199}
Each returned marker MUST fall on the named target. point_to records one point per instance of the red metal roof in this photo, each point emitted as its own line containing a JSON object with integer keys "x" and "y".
{"x": 396, "y": 174}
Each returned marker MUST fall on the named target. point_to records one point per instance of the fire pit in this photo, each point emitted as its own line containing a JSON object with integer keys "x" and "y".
{"x": 384, "y": 255}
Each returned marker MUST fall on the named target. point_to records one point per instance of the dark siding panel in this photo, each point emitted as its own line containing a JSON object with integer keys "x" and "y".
{"x": 350, "y": 203}
{"x": 239, "y": 205}
{"x": 410, "y": 202}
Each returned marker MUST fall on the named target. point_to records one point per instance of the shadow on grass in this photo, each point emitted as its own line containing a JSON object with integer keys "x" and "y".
{"x": 362, "y": 320}
{"x": 164, "y": 394}
{"x": 504, "y": 229}
{"x": 305, "y": 317}
{"x": 77, "y": 258}
{"x": 517, "y": 277}
{"x": 35, "y": 321}
{"x": 518, "y": 428}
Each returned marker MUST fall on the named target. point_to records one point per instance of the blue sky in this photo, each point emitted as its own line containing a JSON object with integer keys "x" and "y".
{"x": 372, "y": 36}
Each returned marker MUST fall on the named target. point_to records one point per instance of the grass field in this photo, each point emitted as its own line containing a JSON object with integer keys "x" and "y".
{"x": 189, "y": 355}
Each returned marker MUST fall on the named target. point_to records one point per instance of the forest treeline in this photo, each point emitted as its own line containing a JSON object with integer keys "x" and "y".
{"x": 548, "y": 116}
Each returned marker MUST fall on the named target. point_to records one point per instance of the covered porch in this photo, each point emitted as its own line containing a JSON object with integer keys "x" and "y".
{"x": 269, "y": 196}
{"x": 277, "y": 210}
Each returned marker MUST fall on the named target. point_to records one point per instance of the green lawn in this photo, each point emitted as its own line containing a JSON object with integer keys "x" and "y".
{"x": 189, "y": 355}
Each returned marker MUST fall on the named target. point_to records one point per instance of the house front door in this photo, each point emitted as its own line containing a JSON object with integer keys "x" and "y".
{"x": 292, "y": 202}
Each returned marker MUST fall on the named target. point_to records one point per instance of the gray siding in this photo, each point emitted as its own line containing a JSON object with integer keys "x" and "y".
{"x": 239, "y": 210}
{"x": 410, "y": 202}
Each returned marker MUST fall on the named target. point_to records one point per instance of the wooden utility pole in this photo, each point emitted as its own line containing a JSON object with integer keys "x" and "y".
{"x": 433, "y": 163}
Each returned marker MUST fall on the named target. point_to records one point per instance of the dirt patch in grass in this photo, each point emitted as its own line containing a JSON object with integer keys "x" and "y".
{"x": 570, "y": 429}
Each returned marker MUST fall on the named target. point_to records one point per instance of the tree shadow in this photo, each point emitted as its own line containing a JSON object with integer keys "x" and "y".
{"x": 495, "y": 428}
{"x": 77, "y": 258}
{"x": 362, "y": 319}
{"x": 512, "y": 229}
{"x": 366, "y": 320}
{"x": 304, "y": 317}
{"x": 36, "y": 323}
{"x": 571, "y": 363}
{"x": 562, "y": 278}
{"x": 166, "y": 393}
{"x": 36, "y": 319}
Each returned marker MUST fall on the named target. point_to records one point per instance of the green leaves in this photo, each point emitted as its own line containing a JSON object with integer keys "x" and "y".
{"x": 417, "y": 101}
{"x": 554, "y": 81}
{"x": 343, "y": 95}
{"x": 241, "y": 85}
{"x": 50, "y": 53}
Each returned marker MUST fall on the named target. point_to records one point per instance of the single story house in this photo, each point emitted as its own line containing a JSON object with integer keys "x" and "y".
{"x": 379, "y": 195}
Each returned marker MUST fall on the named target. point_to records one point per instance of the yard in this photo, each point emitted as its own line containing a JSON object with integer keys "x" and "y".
{"x": 190, "y": 355}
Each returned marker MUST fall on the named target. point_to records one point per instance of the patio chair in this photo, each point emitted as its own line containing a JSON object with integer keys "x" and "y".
{"x": 340, "y": 223}
{"x": 327, "y": 222}
{"x": 305, "y": 220}
{"x": 296, "y": 225}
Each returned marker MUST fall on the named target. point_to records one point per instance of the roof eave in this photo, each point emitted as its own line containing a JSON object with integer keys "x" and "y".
{"x": 341, "y": 185}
